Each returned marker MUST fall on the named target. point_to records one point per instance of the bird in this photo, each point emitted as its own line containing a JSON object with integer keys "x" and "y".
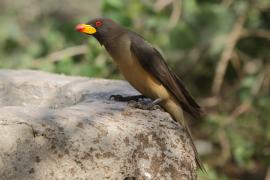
{"x": 145, "y": 69}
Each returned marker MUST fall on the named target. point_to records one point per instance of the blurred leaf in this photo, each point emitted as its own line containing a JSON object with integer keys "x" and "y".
{"x": 242, "y": 149}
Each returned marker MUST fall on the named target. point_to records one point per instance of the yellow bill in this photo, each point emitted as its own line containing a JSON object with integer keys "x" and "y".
{"x": 85, "y": 28}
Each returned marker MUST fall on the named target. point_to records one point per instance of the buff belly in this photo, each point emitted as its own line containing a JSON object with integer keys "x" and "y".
{"x": 142, "y": 81}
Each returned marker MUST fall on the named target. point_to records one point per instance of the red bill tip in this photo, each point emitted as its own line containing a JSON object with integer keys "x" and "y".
{"x": 79, "y": 27}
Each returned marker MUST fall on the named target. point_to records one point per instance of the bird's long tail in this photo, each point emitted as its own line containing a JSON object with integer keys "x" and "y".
{"x": 197, "y": 157}
{"x": 177, "y": 114}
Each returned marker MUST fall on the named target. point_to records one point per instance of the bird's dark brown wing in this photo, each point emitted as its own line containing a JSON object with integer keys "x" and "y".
{"x": 153, "y": 62}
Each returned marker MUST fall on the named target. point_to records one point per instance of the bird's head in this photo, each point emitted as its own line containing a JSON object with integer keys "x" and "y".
{"x": 103, "y": 29}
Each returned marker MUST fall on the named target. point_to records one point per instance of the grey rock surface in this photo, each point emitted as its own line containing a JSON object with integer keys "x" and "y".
{"x": 60, "y": 127}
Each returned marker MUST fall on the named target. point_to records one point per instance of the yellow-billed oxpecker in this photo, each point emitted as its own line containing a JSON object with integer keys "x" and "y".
{"x": 145, "y": 69}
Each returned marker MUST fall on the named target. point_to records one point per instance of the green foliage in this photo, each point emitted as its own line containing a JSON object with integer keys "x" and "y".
{"x": 238, "y": 116}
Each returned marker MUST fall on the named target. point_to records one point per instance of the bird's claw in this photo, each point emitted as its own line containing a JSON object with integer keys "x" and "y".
{"x": 126, "y": 98}
{"x": 116, "y": 97}
{"x": 142, "y": 105}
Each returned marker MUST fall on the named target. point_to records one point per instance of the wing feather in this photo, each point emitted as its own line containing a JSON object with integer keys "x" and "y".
{"x": 153, "y": 62}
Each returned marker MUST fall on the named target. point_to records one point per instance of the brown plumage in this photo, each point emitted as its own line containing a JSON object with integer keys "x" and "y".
{"x": 145, "y": 69}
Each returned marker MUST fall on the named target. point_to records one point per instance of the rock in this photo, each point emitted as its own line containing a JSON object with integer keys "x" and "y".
{"x": 60, "y": 127}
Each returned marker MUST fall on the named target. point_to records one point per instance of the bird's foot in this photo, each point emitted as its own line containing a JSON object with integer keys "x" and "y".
{"x": 126, "y": 98}
{"x": 146, "y": 106}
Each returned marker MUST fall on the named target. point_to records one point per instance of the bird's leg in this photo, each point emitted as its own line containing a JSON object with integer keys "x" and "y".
{"x": 148, "y": 106}
{"x": 153, "y": 103}
{"x": 126, "y": 98}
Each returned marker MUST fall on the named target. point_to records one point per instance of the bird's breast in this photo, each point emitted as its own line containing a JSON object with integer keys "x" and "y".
{"x": 140, "y": 79}
{"x": 133, "y": 71}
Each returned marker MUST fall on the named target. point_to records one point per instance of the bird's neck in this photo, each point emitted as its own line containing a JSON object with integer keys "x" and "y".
{"x": 118, "y": 48}
{"x": 108, "y": 39}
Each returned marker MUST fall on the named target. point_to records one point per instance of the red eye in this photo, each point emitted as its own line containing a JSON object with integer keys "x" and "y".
{"x": 98, "y": 23}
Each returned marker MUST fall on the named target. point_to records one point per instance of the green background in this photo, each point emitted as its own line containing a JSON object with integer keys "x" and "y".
{"x": 221, "y": 48}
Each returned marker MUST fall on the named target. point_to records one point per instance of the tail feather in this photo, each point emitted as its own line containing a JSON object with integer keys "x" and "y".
{"x": 176, "y": 112}
{"x": 196, "y": 154}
